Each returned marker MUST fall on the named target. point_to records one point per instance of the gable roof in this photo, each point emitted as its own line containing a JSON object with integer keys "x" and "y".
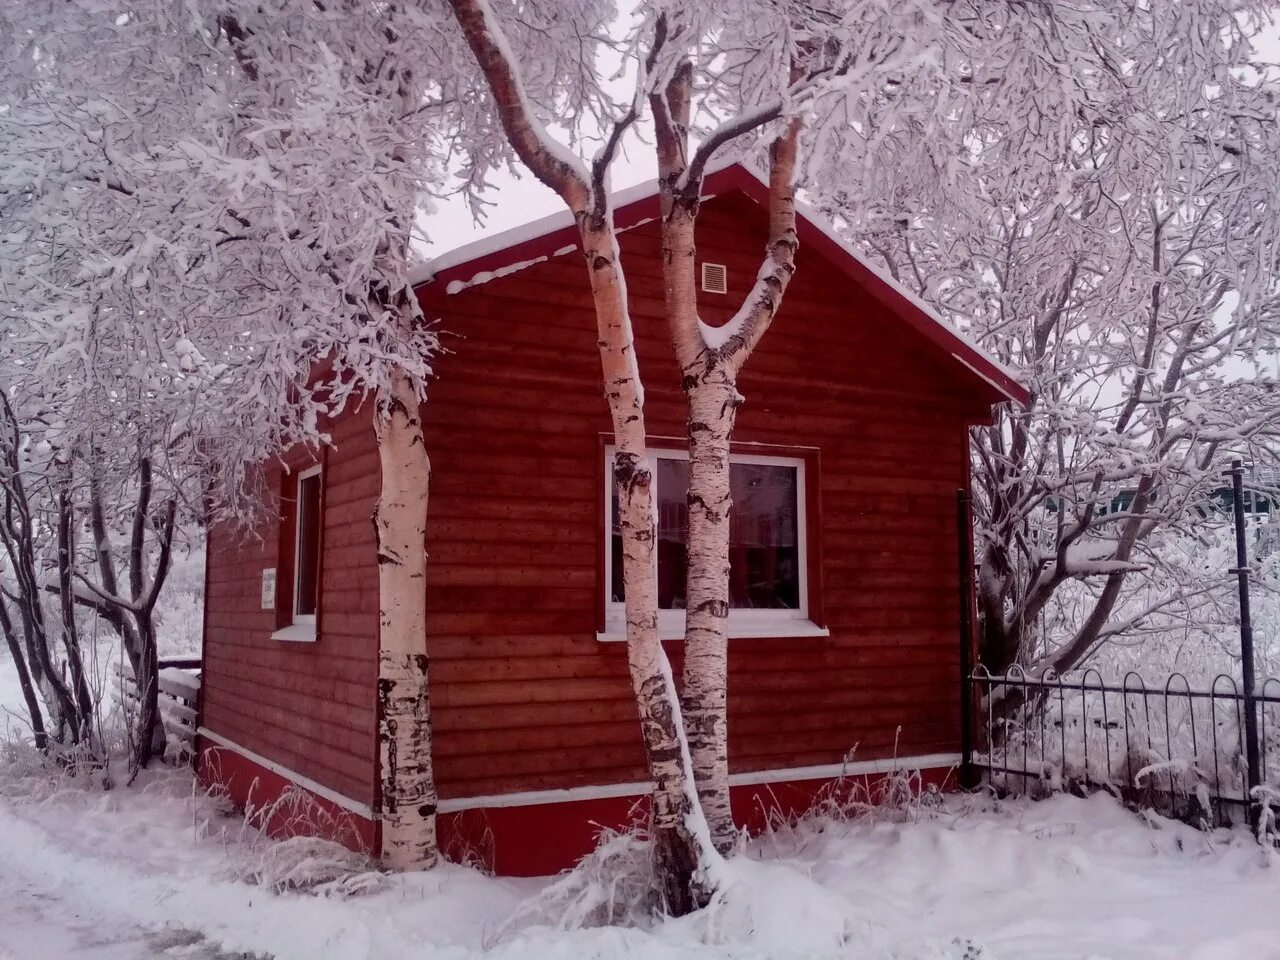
{"x": 513, "y": 250}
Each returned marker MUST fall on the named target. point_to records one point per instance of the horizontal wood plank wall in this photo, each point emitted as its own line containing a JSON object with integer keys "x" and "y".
{"x": 524, "y": 696}
{"x": 307, "y": 706}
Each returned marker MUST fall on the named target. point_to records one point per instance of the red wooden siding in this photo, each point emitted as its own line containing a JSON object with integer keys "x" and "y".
{"x": 524, "y": 697}
{"x": 306, "y": 706}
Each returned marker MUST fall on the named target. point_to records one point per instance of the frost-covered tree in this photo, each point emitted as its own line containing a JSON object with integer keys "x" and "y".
{"x": 348, "y": 109}
{"x": 781, "y": 85}
{"x": 348, "y": 122}
{"x": 686, "y": 860}
{"x": 204, "y": 222}
{"x": 1118, "y": 248}
{"x": 784, "y": 78}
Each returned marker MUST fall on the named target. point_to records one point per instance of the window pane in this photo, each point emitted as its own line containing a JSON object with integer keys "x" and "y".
{"x": 308, "y": 555}
{"x": 673, "y": 532}
{"x": 617, "y": 593}
{"x": 673, "y": 524}
{"x": 764, "y": 543}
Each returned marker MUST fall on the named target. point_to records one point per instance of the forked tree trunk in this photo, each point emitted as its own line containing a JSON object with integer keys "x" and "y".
{"x": 678, "y": 825}
{"x": 709, "y": 377}
{"x": 685, "y": 860}
{"x": 408, "y": 789}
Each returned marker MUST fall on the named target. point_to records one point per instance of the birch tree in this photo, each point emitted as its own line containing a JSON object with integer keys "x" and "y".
{"x": 782, "y": 77}
{"x": 369, "y": 93}
{"x": 755, "y": 80}
{"x": 687, "y": 864}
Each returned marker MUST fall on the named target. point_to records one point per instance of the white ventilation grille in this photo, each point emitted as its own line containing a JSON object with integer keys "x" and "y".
{"x": 715, "y": 278}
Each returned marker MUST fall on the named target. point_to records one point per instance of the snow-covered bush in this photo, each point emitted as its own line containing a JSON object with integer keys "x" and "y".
{"x": 312, "y": 865}
{"x": 1164, "y": 745}
{"x": 611, "y": 886}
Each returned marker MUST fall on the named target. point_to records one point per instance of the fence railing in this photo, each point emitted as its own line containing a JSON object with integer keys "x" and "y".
{"x": 1169, "y": 747}
{"x": 179, "y": 700}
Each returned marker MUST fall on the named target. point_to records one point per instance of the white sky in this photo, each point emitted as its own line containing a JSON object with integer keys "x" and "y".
{"x": 517, "y": 200}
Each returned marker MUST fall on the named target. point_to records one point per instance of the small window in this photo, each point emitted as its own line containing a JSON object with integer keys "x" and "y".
{"x": 768, "y": 588}
{"x": 306, "y": 552}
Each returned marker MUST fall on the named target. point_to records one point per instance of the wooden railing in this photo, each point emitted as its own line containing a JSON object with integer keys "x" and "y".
{"x": 179, "y": 699}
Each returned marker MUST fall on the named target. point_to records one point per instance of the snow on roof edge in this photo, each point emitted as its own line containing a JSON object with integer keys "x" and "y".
{"x": 816, "y": 220}
{"x": 494, "y": 243}
{"x": 534, "y": 229}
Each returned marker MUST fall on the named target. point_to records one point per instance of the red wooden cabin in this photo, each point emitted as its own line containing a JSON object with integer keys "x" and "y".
{"x": 844, "y": 651}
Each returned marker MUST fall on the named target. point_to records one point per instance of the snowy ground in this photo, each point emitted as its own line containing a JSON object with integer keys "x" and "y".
{"x": 143, "y": 873}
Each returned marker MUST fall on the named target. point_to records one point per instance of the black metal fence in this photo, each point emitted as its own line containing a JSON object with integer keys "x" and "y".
{"x": 1170, "y": 747}
{"x": 1210, "y": 755}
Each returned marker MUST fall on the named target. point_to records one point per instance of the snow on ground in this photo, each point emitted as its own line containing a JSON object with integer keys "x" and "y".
{"x": 134, "y": 873}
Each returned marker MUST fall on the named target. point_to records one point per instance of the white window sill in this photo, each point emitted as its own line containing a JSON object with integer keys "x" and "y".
{"x": 743, "y": 630}
{"x": 296, "y": 633}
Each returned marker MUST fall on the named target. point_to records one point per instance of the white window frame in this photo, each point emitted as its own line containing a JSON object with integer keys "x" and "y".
{"x": 302, "y": 626}
{"x": 742, "y": 623}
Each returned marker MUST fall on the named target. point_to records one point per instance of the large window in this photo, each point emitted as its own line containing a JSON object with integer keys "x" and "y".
{"x": 306, "y": 548}
{"x": 768, "y": 583}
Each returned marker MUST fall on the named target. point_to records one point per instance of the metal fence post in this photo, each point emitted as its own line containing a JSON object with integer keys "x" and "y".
{"x": 963, "y": 532}
{"x": 1246, "y": 641}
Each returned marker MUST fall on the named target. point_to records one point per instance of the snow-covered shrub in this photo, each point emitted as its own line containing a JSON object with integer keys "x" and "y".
{"x": 312, "y": 865}
{"x": 301, "y": 859}
{"x": 611, "y": 886}
{"x": 1160, "y": 743}
{"x": 28, "y": 774}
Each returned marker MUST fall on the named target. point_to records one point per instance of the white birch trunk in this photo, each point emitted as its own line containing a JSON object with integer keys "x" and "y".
{"x": 687, "y": 867}
{"x": 710, "y": 384}
{"x": 712, "y": 403}
{"x": 683, "y": 849}
{"x": 408, "y": 790}
{"x": 709, "y": 377}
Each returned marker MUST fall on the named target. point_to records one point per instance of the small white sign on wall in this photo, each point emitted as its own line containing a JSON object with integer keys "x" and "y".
{"x": 269, "y": 588}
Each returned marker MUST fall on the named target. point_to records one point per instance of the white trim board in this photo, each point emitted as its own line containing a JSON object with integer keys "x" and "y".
{"x": 280, "y": 770}
{"x": 637, "y": 788}
{"x": 831, "y": 771}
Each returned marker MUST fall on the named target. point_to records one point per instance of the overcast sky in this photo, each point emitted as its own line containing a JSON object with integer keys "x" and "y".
{"x": 517, "y": 200}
